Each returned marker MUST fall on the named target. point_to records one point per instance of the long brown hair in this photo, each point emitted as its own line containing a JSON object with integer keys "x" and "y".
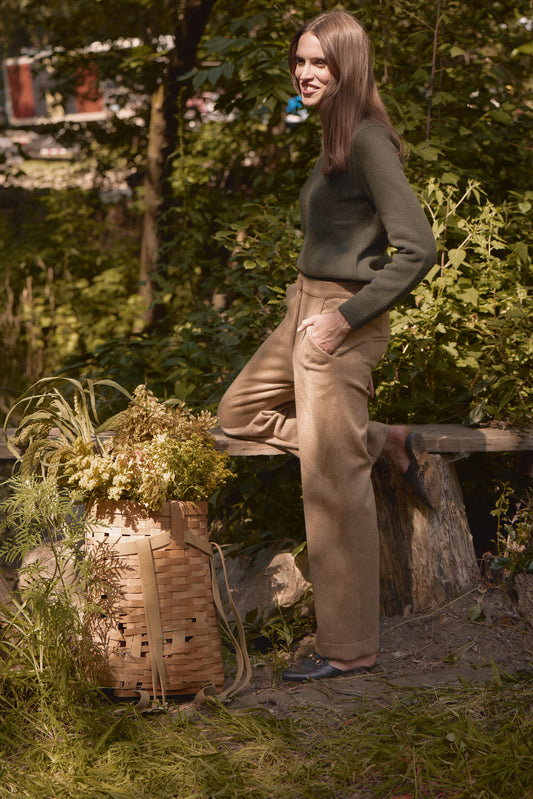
{"x": 352, "y": 95}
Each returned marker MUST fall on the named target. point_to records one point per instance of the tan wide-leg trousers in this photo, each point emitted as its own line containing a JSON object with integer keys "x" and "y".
{"x": 315, "y": 405}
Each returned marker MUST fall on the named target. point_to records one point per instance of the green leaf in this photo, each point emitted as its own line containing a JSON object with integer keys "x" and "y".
{"x": 523, "y": 49}
{"x": 455, "y": 51}
{"x": 450, "y": 177}
{"x": 475, "y": 612}
{"x": 457, "y": 256}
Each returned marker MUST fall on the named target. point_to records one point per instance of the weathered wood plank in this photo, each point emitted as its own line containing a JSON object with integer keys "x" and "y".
{"x": 439, "y": 438}
{"x": 238, "y": 446}
{"x": 5, "y": 453}
{"x": 457, "y": 438}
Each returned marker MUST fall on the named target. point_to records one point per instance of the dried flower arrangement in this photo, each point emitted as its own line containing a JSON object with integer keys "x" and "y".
{"x": 158, "y": 451}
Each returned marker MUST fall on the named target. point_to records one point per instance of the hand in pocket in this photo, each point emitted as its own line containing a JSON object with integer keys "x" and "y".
{"x": 327, "y": 329}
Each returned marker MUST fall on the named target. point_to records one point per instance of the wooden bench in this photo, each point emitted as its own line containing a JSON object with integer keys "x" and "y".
{"x": 439, "y": 439}
{"x": 426, "y": 558}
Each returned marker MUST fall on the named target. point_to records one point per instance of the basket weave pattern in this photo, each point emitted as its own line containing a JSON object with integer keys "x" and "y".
{"x": 191, "y": 650}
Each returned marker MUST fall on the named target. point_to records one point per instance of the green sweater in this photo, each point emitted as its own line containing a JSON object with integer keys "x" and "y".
{"x": 349, "y": 220}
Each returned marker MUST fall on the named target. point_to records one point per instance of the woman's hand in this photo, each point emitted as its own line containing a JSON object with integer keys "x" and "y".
{"x": 329, "y": 330}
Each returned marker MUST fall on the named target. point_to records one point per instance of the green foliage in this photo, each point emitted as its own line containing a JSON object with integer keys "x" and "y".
{"x": 457, "y": 86}
{"x": 50, "y": 657}
{"x": 160, "y": 451}
{"x": 219, "y": 318}
{"x": 250, "y": 57}
{"x": 278, "y": 635}
{"x": 35, "y": 511}
{"x": 65, "y": 257}
{"x": 514, "y": 535}
{"x": 461, "y": 347}
{"x": 461, "y": 742}
{"x": 448, "y": 742}
{"x": 263, "y": 506}
{"x": 53, "y": 416}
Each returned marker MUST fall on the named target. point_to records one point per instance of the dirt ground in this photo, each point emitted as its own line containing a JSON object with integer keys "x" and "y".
{"x": 463, "y": 640}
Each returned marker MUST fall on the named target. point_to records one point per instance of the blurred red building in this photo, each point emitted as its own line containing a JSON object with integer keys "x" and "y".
{"x": 33, "y": 95}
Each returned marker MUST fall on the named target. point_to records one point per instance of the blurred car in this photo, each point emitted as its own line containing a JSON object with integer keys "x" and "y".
{"x": 46, "y": 147}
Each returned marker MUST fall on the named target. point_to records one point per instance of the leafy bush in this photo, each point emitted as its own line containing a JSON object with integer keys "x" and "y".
{"x": 460, "y": 347}
{"x": 49, "y": 651}
{"x": 68, "y": 281}
{"x": 514, "y": 535}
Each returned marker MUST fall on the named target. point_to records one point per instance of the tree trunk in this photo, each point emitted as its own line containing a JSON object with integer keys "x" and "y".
{"x": 153, "y": 192}
{"x": 427, "y": 557}
{"x": 162, "y": 145}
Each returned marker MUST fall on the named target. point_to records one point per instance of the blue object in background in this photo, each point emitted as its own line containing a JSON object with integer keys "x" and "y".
{"x": 296, "y": 113}
{"x": 294, "y": 104}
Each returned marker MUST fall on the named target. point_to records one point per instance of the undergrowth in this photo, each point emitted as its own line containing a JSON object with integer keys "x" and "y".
{"x": 468, "y": 742}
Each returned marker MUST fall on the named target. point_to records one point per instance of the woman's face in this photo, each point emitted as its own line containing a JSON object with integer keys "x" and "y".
{"x": 311, "y": 70}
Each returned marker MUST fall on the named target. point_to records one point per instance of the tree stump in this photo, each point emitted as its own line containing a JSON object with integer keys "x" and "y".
{"x": 426, "y": 557}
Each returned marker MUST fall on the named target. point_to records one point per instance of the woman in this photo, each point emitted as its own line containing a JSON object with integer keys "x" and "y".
{"x": 307, "y": 387}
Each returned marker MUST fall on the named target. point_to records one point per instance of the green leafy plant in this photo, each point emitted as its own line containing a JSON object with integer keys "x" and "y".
{"x": 460, "y": 346}
{"x": 52, "y": 630}
{"x": 157, "y": 451}
{"x": 514, "y": 535}
{"x": 54, "y": 247}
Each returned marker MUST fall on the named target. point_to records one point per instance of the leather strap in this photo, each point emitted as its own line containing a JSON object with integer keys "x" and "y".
{"x": 152, "y": 614}
{"x": 244, "y": 669}
{"x": 130, "y": 547}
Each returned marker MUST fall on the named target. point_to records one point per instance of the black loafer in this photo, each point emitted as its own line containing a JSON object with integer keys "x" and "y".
{"x": 422, "y": 473}
{"x": 316, "y": 668}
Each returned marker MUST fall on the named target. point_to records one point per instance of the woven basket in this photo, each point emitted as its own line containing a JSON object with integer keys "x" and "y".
{"x": 165, "y": 636}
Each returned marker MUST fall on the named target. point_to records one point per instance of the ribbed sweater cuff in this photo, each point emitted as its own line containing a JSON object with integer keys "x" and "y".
{"x": 359, "y": 310}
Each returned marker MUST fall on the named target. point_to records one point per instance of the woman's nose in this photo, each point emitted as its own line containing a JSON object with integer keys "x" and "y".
{"x": 306, "y": 71}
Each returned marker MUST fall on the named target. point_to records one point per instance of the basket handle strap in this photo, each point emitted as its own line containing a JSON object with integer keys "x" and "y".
{"x": 244, "y": 669}
{"x": 130, "y": 547}
{"x": 152, "y": 613}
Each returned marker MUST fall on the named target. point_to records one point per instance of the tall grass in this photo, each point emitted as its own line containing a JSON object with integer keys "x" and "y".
{"x": 462, "y": 742}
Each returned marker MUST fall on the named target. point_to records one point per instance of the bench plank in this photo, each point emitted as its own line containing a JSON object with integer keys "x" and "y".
{"x": 458, "y": 438}
{"x": 439, "y": 438}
